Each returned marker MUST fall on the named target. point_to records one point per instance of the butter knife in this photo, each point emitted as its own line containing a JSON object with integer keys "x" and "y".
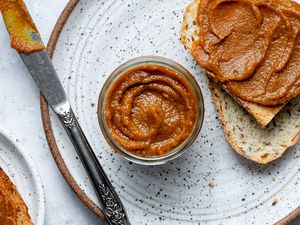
{"x": 28, "y": 43}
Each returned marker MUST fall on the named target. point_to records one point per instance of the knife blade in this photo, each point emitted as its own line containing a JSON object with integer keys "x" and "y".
{"x": 43, "y": 73}
{"x": 26, "y": 40}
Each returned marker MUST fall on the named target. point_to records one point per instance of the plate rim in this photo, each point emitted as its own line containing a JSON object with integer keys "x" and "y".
{"x": 33, "y": 169}
{"x": 62, "y": 19}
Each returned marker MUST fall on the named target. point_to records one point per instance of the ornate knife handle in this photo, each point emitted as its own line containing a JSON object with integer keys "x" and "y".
{"x": 112, "y": 206}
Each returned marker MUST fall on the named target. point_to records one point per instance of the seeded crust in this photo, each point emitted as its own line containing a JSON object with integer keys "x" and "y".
{"x": 189, "y": 34}
{"x": 9, "y": 192}
{"x": 261, "y": 142}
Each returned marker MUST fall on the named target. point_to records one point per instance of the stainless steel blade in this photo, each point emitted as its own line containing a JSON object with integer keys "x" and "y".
{"x": 43, "y": 73}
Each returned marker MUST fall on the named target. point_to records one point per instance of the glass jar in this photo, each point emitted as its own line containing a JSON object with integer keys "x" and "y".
{"x": 162, "y": 62}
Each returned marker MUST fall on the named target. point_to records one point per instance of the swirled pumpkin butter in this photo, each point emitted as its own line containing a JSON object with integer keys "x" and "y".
{"x": 252, "y": 47}
{"x": 150, "y": 109}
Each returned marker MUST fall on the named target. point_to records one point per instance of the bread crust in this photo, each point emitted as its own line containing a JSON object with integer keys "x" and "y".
{"x": 253, "y": 142}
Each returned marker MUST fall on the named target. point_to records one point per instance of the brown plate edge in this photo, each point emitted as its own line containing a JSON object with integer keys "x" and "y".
{"x": 51, "y": 139}
{"x": 47, "y": 123}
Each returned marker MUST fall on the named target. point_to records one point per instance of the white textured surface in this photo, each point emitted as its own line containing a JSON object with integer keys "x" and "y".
{"x": 20, "y": 117}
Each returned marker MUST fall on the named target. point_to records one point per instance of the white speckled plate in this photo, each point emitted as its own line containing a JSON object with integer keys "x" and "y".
{"x": 210, "y": 184}
{"x": 23, "y": 173}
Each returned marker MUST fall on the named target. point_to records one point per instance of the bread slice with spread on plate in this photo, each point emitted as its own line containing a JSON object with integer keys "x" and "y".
{"x": 257, "y": 132}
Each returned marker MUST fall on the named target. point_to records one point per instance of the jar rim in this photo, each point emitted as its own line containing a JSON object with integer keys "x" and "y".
{"x": 150, "y": 60}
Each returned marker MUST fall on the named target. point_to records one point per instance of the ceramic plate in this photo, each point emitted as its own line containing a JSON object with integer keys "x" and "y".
{"x": 23, "y": 173}
{"x": 209, "y": 184}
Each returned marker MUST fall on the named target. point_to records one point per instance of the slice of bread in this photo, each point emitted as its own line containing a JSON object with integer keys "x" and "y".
{"x": 189, "y": 34}
{"x": 11, "y": 200}
{"x": 246, "y": 136}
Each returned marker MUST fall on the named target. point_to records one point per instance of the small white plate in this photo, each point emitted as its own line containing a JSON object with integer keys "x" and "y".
{"x": 23, "y": 173}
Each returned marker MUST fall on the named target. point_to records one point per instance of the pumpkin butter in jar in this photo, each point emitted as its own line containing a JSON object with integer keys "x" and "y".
{"x": 150, "y": 110}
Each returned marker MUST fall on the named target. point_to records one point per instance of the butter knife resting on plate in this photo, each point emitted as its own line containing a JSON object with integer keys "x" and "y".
{"x": 26, "y": 39}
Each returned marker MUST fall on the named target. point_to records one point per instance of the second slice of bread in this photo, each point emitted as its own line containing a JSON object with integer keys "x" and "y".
{"x": 11, "y": 197}
{"x": 189, "y": 34}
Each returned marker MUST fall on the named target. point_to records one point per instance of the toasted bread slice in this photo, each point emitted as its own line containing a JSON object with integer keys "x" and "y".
{"x": 12, "y": 207}
{"x": 247, "y": 138}
{"x": 189, "y": 34}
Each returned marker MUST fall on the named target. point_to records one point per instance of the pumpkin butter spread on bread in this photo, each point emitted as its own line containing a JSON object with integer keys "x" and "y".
{"x": 250, "y": 50}
{"x": 13, "y": 210}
